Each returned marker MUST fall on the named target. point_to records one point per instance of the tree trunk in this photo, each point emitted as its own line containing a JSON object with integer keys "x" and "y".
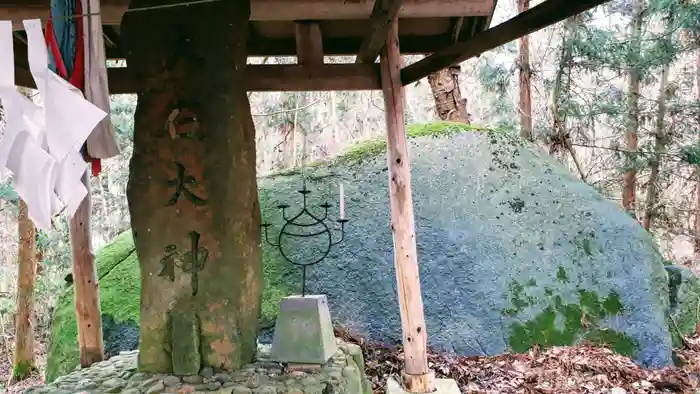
{"x": 660, "y": 144}
{"x": 286, "y": 146}
{"x": 525, "y": 105}
{"x": 696, "y": 241}
{"x": 449, "y": 104}
{"x": 334, "y": 122}
{"x": 629, "y": 179}
{"x": 560, "y": 139}
{"x": 193, "y": 196}
{"x": 23, "y": 361}
{"x": 696, "y": 244}
{"x": 558, "y": 116}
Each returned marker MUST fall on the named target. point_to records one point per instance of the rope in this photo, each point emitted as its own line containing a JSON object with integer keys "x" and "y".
{"x": 138, "y": 9}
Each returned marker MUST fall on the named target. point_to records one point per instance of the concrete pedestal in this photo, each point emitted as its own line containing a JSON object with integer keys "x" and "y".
{"x": 442, "y": 386}
{"x": 304, "y": 332}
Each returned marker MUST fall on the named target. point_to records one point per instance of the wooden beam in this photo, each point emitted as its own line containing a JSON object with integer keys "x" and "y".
{"x": 539, "y": 17}
{"x": 87, "y": 293}
{"x": 417, "y": 377}
{"x": 271, "y": 78}
{"x": 273, "y": 10}
{"x": 332, "y": 46}
{"x": 309, "y": 43}
{"x": 263, "y": 78}
{"x": 383, "y": 14}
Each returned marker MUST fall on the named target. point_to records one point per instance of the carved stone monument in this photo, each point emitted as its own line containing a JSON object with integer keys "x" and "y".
{"x": 192, "y": 188}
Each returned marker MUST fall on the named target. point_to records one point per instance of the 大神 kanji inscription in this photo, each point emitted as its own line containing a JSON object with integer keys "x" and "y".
{"x": 191, "y": 263}
{"x": 169, "y": 262}
{"x": 181, "y": 183}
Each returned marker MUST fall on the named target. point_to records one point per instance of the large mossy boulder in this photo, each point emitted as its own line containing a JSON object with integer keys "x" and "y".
{"x": 513, "y": 250}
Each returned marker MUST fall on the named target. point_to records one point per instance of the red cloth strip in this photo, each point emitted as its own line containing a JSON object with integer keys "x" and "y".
{"x": 55, "y": 52}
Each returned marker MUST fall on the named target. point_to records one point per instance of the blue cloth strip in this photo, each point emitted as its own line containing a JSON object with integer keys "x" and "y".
{"x": 66, "y": 32}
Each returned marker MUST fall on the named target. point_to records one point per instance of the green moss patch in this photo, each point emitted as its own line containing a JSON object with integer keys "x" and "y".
{"x": 120, "y": 292}
{"x": 280, "y": 277}
{"x": 563, "y": 324}
{"x": 684, "y": 299}
{"x": 118, "y": 272}
{"x": 22, "y": 370}
{"x": 114, "y": 253}
{"x": 377, "y": 146}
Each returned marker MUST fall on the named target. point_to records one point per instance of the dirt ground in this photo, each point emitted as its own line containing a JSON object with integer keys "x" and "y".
{"x": 36, "y": 379}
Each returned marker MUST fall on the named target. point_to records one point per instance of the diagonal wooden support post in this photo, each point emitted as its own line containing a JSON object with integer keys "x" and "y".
{"x": 87, "y": 293}
{"x": 417, "y": 378}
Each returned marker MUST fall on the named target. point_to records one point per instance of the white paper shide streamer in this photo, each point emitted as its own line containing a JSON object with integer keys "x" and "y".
{"x": 41, "y": 145}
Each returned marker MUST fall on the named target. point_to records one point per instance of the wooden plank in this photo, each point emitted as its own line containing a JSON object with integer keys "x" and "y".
{"x": 417, "y": 376}
{"x": 383, "y": 15}
{"x": 263, "y": 78}
{"x": 539, "y": 17}
{"x": 271, "y": 78}
{"x": 332, "y": 46}
{"x": 309, "y": 43}
{"x": 275, "y": 10}
{"x": 87, "y": 294}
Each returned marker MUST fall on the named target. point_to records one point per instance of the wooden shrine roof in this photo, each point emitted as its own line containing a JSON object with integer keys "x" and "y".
{"x": 342, "y": 27}
{"x": 431, "y": 24}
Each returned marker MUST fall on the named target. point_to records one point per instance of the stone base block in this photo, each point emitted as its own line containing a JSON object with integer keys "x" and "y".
{"x": 304, "y": 332}
{"x": 442, "y": 386}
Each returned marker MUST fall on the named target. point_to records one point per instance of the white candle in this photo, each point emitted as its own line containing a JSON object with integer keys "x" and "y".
{"x": 342, "y": 202}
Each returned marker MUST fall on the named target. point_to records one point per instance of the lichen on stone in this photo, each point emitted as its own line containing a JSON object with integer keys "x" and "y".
{"x": 374, "y": 147}
{"x": 561, "y": 324}
{"x": 684, "y": 300}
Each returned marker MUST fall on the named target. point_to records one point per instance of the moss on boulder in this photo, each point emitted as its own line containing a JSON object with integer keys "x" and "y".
{"x": 684, "y": 297}
{"x": 120, "y": 285}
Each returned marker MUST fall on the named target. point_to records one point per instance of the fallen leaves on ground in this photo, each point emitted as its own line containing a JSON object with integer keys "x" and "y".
{"x": 33, "y": 380}
{"x": 582, "y": 369}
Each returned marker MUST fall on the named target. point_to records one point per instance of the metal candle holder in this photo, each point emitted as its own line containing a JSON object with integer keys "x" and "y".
{"x": 295, "y": 222}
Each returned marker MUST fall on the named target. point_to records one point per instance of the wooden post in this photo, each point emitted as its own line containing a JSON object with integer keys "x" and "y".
{"x": 309, "y": 42}
{"x": 87, "y": 295}
{"x": 417, "y": 378}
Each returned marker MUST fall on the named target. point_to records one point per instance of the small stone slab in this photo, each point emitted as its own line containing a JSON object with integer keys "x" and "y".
{"x": 304, "y": 332}
{"x": 442, "y": 386}
{"x": 184, "y": 340}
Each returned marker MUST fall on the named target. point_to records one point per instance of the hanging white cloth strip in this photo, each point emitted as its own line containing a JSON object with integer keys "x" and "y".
{"x": 41, "y": 146}
{"x": 69, "y": 117}
{"x": 21, "y": 146}
{"x": 102, "y": 142}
